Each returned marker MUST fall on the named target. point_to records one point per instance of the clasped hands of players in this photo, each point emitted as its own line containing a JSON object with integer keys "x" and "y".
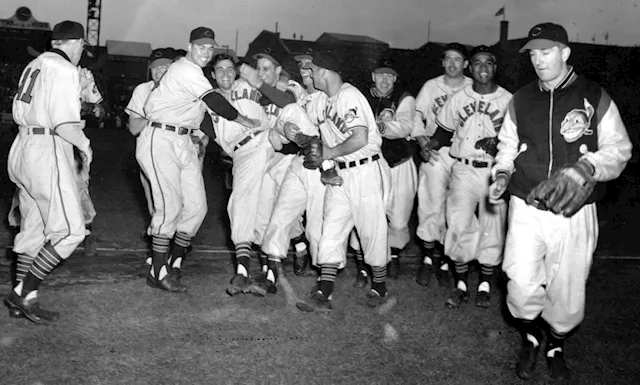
{"x": 430, "y": 152}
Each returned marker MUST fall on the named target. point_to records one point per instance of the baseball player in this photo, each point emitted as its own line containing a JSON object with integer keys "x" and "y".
{"x": 470, "y": 121}
{"x": 280, "y": 107}
{"x": 395, "y": 112}
{"x": 561, "y": 135}
{"x": 159, "y": 62}
{"x": 350, "y": 136}
{"x": 433, "y": 177}
{"x": 167, "y": 155}
{"x": 251, "y": 151}
{"x": 302, "y": 189}
{"x": 47, "y": 111}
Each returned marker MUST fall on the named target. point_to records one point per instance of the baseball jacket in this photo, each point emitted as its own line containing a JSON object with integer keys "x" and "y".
{"x": 545, "y": 130}
{"x": 396, "y": 115}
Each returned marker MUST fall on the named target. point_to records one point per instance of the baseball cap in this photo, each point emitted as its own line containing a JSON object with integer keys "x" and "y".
{"x": 161, "y": 56}
{"x": 461, "y": 49}
{"x": 267, "y": 54}
{"x": 545, "y": 36}
{"x": 307, "y": 55}
{"x": 385, "y": 66}
{"x": 202, "y": 35}
{"x": 324, "y": 60}
{"x": 482, "y": 49}
{"x": 68, "y": 30}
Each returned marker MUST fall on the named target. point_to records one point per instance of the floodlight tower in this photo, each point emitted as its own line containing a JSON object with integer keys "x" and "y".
{"x": 94, "y": 10}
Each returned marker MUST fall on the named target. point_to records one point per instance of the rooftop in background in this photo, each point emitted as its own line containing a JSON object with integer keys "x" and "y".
{"x": 128, "y": 48}
{"x": 347, "y": 38}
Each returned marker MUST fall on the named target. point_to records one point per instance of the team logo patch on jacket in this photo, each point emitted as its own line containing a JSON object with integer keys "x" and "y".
{"x": 387, "y": 114}
{"x": 351, "y": 115}
{"x": 577, "y": 123}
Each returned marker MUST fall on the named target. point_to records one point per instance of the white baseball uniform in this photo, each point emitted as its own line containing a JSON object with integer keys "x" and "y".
{"x": 41, "y": 163}
{"x": 472, "y": 116}
{"x": 433, "y": 177}
{"x": 168, "y": 156}
{"x": 362, "y": 199}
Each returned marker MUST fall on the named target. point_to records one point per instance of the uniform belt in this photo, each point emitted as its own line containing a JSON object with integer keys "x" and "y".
{"x": 246, "y": 140}
{"x": 39, "y": 131}
{"x": 178, "y": 130}
{"x": 354, "y": 163}
{"x": 474, "y": 163}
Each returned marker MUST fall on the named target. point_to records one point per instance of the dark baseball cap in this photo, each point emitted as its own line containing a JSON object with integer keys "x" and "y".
{"x": 68, "y": 30}
{"x": 480, "y": 50}
{"x": 324, "y": 60}
{"x": 306, "y": 55}
{"x": 545, "y": 36}
{"x": 269, "y": 55}
{"x": 161, "y": 56}
{"x": 202, "y": 35}
{"x": 385, "y": 66}
{"x": 461, "y": 49}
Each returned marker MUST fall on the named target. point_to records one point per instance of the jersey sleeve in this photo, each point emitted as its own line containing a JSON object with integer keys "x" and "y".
{"x": 351, "y": 109}
{"x": 401, "y": 125}
{"x": 64, "y": 97}
{"x": 424, "y": 100}
{"x": 136, "y": 103}
{"x": 195, "y": 83}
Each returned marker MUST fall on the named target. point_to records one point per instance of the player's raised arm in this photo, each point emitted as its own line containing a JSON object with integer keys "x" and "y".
{"x": 265, "y": 78}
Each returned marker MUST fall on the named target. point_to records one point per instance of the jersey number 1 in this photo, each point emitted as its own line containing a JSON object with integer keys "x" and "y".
{"x": 25, "y": 95}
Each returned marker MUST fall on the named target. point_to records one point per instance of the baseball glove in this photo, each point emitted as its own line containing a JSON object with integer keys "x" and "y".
{"x": 566, "y": 191}
{"x": 200, "y": 145}
{"x": 303, "y": 141}
{"x": 330, "y": 177}
{"x": 489, "y": 145}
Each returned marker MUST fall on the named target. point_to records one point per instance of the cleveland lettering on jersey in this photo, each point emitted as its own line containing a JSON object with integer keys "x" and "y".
{"x": 332, "y": 115}
{"x": 249, "y": 94}
{"x": 480, "y": 107}
{"x": 439, "y": 102}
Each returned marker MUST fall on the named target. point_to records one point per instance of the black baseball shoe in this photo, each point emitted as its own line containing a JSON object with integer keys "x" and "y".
{"x": 557, "y": 366}
{"x": 301, "y": 265}
{"x": 270, "y": 287}
{"x": 168, "y": 283}
{"x": 361, "y": 280}
{"x": 483, "y": 299}
{"x": 526, "y": 366}
{"x": 374, "y": 299}
{"x": 317, "y": 302}
{"x": 424, "y": 274}
{"x": 239, "y": 284}
{"x": 19, "y": 307}
{"x": 457, "y": 298}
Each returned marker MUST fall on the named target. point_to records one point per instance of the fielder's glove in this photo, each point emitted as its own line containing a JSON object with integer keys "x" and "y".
{"x": 330, "y": 177}
{"x": 201, "y": 147}
{"x": 489, "y": 145}
{"x": 311, "y": 147}
{"x": 566, "y": 191}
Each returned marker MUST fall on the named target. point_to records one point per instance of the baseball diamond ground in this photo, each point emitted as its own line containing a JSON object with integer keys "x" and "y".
{"x": 116, "y": 330}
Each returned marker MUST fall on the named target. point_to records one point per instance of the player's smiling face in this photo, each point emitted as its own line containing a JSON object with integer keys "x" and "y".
{"x": 200, "y": 54}
{"x": 483, "y": 68}
{"x": 268, "y": 71}
{"x": 454, "y": 63}
{"x": 224, "y": 72}
{"x": 306, "y": 74}
{"x": 158, "y": 72}
{"x": 550, "y": 64}
{"x": 384, "y": 82}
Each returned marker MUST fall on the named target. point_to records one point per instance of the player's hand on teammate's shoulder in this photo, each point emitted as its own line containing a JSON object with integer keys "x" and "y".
{"x": 251, "y": 75}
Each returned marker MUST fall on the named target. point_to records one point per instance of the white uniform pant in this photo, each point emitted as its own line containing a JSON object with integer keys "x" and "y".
{"x": 547, "y": 259}
{"x": 361, "y": 201}
{"x": 301, "y": 191}
{"x": 433, "y": 182}
{"x": 249, "y": 167}
{"x": 43, "y": 168}
{"x": 177, "y": 187}
{"x": 404, "y": 184}
{"x": 271, "y": 184}
{"x": 470, "y": 237}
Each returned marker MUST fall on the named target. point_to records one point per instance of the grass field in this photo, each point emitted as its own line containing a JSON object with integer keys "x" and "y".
{"x": 116, "y": 330}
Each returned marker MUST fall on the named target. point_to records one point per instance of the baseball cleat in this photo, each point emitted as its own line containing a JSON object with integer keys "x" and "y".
{"x": 239, "y": 284}
{"x": 361, "y": 280}
{"x": 526, "y": 366}
{"x": 458, "y": 297}
{"x": 259, "y": 289}
{"x": 424, "y": 274}
{"x": 374, "y": 299}
{"x": 558, "y": 367}
{"x": 168, "y": 283}
{"x": 300, "y": 264}
{"x": 483, "y": 299}
{"x": 29, "y": 309}
{"x": 271, "y": 287}
{"x": 317, "y": 302}
{"x": 89, "y": 244}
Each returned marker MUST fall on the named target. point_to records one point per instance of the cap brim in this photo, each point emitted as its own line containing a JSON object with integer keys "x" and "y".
{"x": 539, "y": 44}
{"x": 484, "y": 53}
{"x": 266, "y": 56}
{"x": 205, "y": 40}
{"x": 160, "y": 62}
{"x": 385, "y": 70}
{"x": 302, "y": 57}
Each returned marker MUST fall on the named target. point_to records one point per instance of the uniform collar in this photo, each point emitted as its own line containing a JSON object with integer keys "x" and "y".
{"x": 61, "y": 53}
{"x": 568, "y": 79}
